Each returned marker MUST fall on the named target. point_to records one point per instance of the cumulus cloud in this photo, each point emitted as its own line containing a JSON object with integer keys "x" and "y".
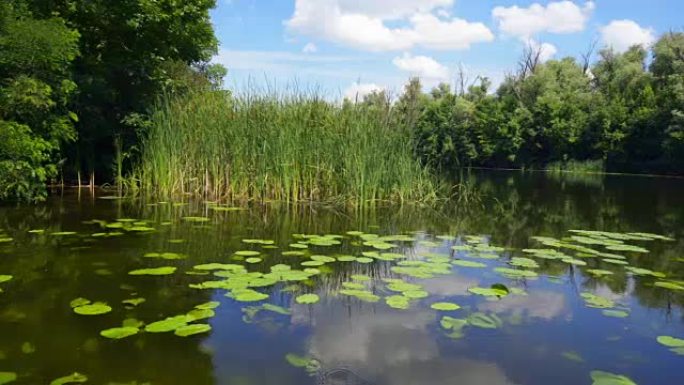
{"x": 359, "y": 90}
{"x": 622, "y": 34}
{"x": 363, "y": 24}
{"x": 546, "y": 50}
{"x": 556, "y": 17}
{"x": 422, "y": 66}
{"x": 310, "y": 48}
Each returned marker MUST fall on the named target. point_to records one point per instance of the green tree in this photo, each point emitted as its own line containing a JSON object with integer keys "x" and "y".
{"x": 131, "y": 51}
{"x": 35, "y": 92}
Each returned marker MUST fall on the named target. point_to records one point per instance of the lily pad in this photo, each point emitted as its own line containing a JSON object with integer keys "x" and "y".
{"x": 671, "y": 342}
{"x": 247, "y": 295}
{"x": 167, "y": 324}
{"x": 307, "y": 299}
{"x": 96, "y": 308}
{"x": 247, "y": 253}
{"x": 7, "y": 377}
{"x": 133, "y": 301}
{"x": 208, "y": 305}
{"x": 199, "y": 314}
{"x": 488, "y": 292}
{"x": 190, "y": 330}
{"x": 445, "y": 306}
{"x": 165, "y": 270}
{"x": 398, "y": 301}
{"x": 74, "y": 378}
{"x": 669, "y": 285}
{"x": 253, "y": 260}
{"x": 119, "y": 333}
{"x": 605, "y": 378}
{"x": 615, "y": 313}
{"x": 5, "y": 278}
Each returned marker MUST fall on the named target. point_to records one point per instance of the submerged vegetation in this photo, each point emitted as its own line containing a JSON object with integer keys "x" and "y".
{"x": 287, "y": 148}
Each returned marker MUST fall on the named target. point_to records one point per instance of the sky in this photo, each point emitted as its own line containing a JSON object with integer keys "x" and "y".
{"x": 347, "y": 48}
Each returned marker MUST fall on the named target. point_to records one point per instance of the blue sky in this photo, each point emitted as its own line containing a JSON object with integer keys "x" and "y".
{"x": 345, "y": 47}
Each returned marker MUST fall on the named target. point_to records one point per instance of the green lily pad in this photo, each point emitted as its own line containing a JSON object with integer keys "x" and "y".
{"x": 364, "y": 260}
{"x": 7, "y": 377}
{"x": 346, "y": 258}
{"x": 74, "y": 378}
{"x": 462, "y": 263}
{"x": 247, "y": 253}
{"x": 190, "y": 330}
{"x": 669, "y": 285}
{"x": 514, "y": 273}
{"x": 363, "y": 295}
{"x": 398, "y": 301}
{"x": 165, "y": 270}
{"x": 208, "y": 305}
{"x": 199, "y": 314}
{"x": 605, "y": 378}
{"x": 415, "y": 294}
{"x": 595, "y": 301}
{"x": 488, "y": 292}
{"x": 360, "y": 277}
{"x": 671, "y": 342}
{"x": 96, "y": 308}
{"x": 307, "y": 299}
{"x": 445, "y": 306}
{"x": 247, "y": 295}
{"x": 297, "y": 361}
{"x": 119, "y": 333}
{"x": 615, "y": 313}
{"x": 5, "y": 278}
{"x": 276, "y": 309}
{"x": 167, "y": 324}
{"x": 253, "y": 260}
{"x": 133, "y": 301}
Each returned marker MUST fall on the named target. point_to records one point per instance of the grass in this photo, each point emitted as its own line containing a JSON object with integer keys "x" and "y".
{"x": 279, "y": 148}
{"x": 586, "y": 166}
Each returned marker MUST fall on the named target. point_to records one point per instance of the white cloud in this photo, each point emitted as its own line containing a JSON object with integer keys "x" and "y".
{"x": 310, "y": 48}
{"x": 622, "y": 34}
{"x": 422, "y": 66}
{"x": 556, "y": 17}
{"x": 358, "y": 90}
{"x": 546, "y": 50}
{"x": 361, "y": 24}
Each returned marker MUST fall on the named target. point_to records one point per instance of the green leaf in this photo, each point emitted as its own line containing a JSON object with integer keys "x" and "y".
{"x": 165, "y": 270}
{"x": 671, "y": 342}
{"x": 190, "y": 330}
{"x": 7, "y": 377}
{"x": 445, "y": 306}
{"x": 119, "y": 333}
{"x": 166, "y": 325}
{"x": 606, "y": 378}
{"x": 96, "y": 308}
{"x": 398, "y": 302}
{"x": 74, "y": 378}
{"x": 307, "y": 299}
{"x": 5, "y": 278}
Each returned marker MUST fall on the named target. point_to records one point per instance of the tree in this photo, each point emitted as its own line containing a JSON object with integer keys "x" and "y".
{"x": 35, "y": 91}
{"x": 130, "y": 51}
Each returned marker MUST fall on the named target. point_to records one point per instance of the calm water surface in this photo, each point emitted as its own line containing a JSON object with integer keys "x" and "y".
{"x": 542, "y": 332}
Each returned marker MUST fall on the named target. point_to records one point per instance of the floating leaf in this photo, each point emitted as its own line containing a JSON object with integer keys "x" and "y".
{"x": 133, "y": 301}
{"x": 189, "y": 330}
{"x": 75, "y": 378}
{"x": 247, "y": 295}
{"x": 247, "y": 253}
{"x": 488, "y": 292}
{"x": 671, "y": 342}
{"x": 199, "y": 314}
{"x": 398, "y": 301}
{"x": 208, "y": 305}
{"x": 462, "y": 263}
{"x": 296, "y": 360}
{"x": 79, "y": 302}
{"x": 363, "y": 295}
{"x": 307, "y": 299}
{"x": 96, "y": 308}
{"x": 5, "y": 278}
{"x": 276, "y": 309}
{"x": 364, "y": 260}
{"x": 572, "y": 356}
{"x": 593, "y": 300}
{"x": 7, "y": 377}
{"x": 605, "y": 378}
{"x": 253, "y": 260}
{"x": 669, "y": 285}
{"x": 514, "y": 274}
{"x": 484, "y": 321}
{"x": 166, "y": 325}
{"x": 165, "y": 270}
{"x": 445, "y": 306}
{"x": 615, "y": 313}
{"x": 119, "y": 333}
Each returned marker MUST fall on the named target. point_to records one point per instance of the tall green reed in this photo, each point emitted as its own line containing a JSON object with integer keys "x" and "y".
{"x": 291, "y": 148}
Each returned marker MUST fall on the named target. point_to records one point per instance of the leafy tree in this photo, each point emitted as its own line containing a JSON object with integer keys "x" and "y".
{"x": 131, "y": 51}
{"x": 35, "y": 91}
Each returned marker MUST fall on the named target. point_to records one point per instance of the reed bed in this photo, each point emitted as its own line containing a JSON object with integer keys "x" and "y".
{"x": 279, "y": 148}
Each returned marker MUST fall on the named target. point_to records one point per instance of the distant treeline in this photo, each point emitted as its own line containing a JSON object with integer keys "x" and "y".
{"x": 93, "y": 91}
{"x": 623, "y": 111}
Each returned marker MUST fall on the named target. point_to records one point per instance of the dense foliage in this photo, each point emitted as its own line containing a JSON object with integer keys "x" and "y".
{"x": 78, "y": 76}
{"x": 287, "y": 148}
{"x": 626, "y": 111}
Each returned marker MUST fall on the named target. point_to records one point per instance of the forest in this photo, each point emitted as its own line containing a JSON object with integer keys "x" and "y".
{"x": 102, "y": 92}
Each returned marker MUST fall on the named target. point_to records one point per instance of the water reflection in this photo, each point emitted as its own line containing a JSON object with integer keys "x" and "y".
{"x": 41, "y": 338}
